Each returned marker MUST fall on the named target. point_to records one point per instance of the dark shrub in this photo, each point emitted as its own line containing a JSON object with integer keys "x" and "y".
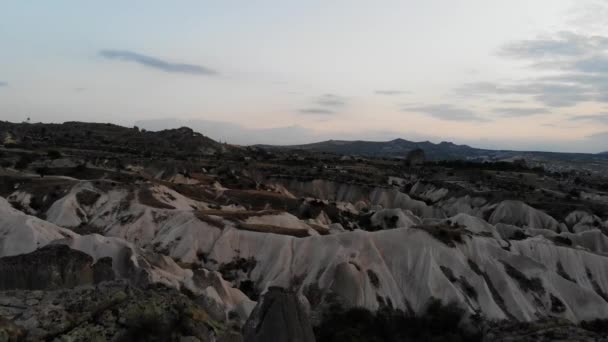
{"x": 562, "y": 240}
{"x": 519, "y": 235}
{"x": 597, "y": 325}
{"x": 53, "y": 154}
{"x": 373, "y": 278}
{"x": 439, "y": 323}
{"x": 562, "y": 272}
{"x": 23, "y": 162}
{"x": 557, "y": 305}
{"x": 527, "y": 284}
{"x": 249, "y": 289}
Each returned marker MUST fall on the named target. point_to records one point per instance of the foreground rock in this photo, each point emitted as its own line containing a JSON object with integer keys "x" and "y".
{"x": 110, "y": 311}
{"x": 279, "y": 317}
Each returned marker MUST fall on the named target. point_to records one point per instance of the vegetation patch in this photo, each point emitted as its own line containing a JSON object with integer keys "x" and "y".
{"x": 87, "y": 197}
{"x": 439, "y": 323}
{"x": 249, "y": 289}
{"x": 373, "y": 278}
{"x": 533, "y": 284}
{"x": 518, "y": 235}
{"x": 473, "y": 265}
{"x": 557, "y": 306}
{"x": 446, "y": 233}
{"x": 596, "y": 286}
{"x": 448, "y": 273}
{"x": 467, "y": 287}
{"x": 562, "y": 240}
{"x": 562, "y": 272}
{"x": 231, "y": 270}
{"x": 495, "y": 294}
{"x": 596, "y": 325}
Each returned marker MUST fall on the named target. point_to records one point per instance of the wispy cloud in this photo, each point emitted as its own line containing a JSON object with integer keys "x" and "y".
{"x": 550, "y": 94}
{"x": 3, "y": 84}
{"x": 563, "y": 44}
{"x": 520, "y": 111}
{"x": 391, "y": 92}
{"x": 319, "y": 111}
{"x": 579, "y": 66}
{"x": 446, "y": 112}
{"x": 157, "y": 63}
{"x": 331, "y": 100}
{"x": 599, "y": 118}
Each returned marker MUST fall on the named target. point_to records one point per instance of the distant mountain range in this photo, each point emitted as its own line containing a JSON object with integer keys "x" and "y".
{"x": 398, "y": 148}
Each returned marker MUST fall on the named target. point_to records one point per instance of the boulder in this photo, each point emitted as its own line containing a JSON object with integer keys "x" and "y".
{"x": 279, "y": 317}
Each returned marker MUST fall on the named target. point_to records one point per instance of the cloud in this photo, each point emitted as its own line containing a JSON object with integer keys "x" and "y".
{"x": 446, "y": 112}
{"x": 551, "y": 94}
{"x": 593, "y": 64}
{"x": 563, "y": 44}
{"x": 320, "y": 111}
{"x": 3, "y": 84}
{"x": 391, "y": 92}
{"x": 599, "y": 136}
{"x": 599, "y": 118}
{"x": 518, "y": 111}
{"x": 156, "y": 63}
{"x": 578, "y": 63}
{"x": 331, "y": 100}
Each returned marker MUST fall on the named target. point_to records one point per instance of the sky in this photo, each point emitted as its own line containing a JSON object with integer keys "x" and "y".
{"x": 519, "y": 74}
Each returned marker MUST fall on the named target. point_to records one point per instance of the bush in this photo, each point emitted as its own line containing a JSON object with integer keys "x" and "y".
{"x": 53, "y": 154}
{"x": 439, "y": 323}
{"x": 596, "y": 325}
{"x": 23, "y": 162}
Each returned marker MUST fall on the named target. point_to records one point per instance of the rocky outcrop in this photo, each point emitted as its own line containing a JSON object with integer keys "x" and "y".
{"x": 21, "y": 233}
{"x": 52, "y": 267}
{"x": 279, "y": 317}
{"x": 520, "y": 214}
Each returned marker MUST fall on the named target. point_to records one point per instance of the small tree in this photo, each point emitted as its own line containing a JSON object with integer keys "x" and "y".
{"x": 23, "y": 162}
{"x": 53, "y": 154}
{"x": 415, "y": 157}
{"x": 42, "y": 171}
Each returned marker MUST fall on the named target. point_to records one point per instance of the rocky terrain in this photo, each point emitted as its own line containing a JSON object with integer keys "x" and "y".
{"x": 112, "y": 233}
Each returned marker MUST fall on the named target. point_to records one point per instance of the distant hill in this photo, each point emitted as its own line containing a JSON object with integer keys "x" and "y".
{"x": 394, "y": 148}
{"x": 107, "y": 137}
{"x": 399, "y": 148}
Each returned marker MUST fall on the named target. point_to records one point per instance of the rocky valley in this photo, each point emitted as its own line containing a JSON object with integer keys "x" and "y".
{"x": 110, "y": 233}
